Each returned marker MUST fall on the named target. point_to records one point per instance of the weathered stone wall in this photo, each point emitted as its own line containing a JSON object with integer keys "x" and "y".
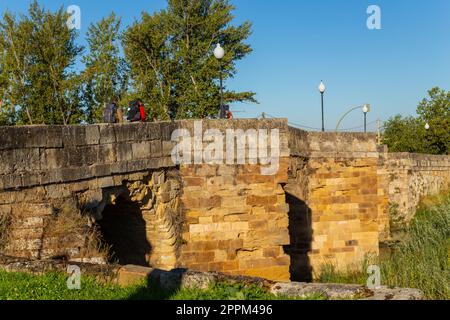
{"x": 410, "y": 178}
{"x": 41, "y": 155}
{"x": 224, "y": 217}
{"x": 328, "y": 202}
{"x": 335, "y": 185}
{"x": 55, "y": 183}
{"x": 236, "y": 218}
{"x": 61, "y": 220}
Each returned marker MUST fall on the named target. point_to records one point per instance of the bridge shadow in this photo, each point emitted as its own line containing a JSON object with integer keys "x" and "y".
{"x": 124, "y": 232}
{"x": 301, "y": 236}
{"x": 159, "y": 285}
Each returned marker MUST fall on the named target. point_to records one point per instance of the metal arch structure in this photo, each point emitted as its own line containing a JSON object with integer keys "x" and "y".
{"x": 348, "y": 112}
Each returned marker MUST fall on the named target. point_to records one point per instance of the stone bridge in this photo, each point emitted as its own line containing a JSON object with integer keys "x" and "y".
{"x": 75, "y": 191}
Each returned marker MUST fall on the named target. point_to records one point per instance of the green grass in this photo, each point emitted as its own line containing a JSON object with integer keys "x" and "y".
{"x": 53, "y": 286}
{"x": 420, "y": 261}
{"x": 329, "y": 274}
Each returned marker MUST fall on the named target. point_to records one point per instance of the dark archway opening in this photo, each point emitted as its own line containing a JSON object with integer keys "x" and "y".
{"x": 124, "y": 232}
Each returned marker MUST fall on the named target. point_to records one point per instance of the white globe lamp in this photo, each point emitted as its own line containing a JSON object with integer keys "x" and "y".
{"x": 219, "y": 52}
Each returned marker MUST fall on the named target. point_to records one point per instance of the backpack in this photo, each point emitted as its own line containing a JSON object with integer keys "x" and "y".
{"x": 134, "y": 112}
{"x": 109, "y": 113}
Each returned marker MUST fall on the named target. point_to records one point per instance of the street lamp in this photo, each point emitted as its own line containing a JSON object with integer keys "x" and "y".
{"x": 322, "y": 91}
{"x": 427, "y": 126}
{"x": 365, "y": 109}
{"x": 219, "y": 53}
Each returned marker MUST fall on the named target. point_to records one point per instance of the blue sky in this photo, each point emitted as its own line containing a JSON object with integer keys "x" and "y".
{"x": 299, "y": 42}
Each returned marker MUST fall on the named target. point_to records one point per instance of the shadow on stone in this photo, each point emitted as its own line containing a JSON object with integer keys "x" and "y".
{"x": 301, "y": 234}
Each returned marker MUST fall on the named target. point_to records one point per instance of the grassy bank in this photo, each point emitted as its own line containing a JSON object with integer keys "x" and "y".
{"x": 420, "y": 261}
{"x": 53, "y": 286}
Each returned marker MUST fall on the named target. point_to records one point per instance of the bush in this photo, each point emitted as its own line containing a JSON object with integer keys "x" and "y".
{"x": 409, "y": 134}
{"x": 421, "y": 261}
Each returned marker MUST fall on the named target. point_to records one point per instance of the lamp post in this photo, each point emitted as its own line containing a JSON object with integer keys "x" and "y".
{"x": 365, "y": 110}
{"x": 322, "y": 91}
{"x": 219, "y": 53}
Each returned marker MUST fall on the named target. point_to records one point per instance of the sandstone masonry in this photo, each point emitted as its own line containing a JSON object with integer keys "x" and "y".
{"x": 62, "y": 185}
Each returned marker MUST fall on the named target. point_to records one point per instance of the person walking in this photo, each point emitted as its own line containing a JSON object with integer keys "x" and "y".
{"x": 110, "y": 111}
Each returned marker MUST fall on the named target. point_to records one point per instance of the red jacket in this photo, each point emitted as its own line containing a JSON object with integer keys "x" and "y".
{"x": 142, "y": 112}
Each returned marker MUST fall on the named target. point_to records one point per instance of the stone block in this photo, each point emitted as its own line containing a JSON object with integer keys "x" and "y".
{"x": 11, "y": 181}
{"x": 106, "y": 182}
{"x": 167, "y": 129}
{"x": 128, "y": 132}
{"x": 140, "y": 150}
{"x": 92, "y": 134}
{"x": 31, "y": 179}
{"x": 53, "y": 159}
{"x": 74, "y": 136}
{"x": 168, "y": 147}
{"x": 25, "y": 160}
{"x": 6, "y": 165}
{"x": 141, "y": 165}
{"x": 197, "y": 257}
{"x": 124, "y": 152}
{"x": 73, "y": 157}
{"x": 89, "y": 155}
{"x": 107, "y": 153}
{"x": 156, "y": 149}
{"x": 102, "y": 170}
{"x": 51, "y": 176}
{"x": 119, "y": 167}
{"x": 75, "y": 174}
{"x": 22, "y": 137}
{"x": 274, "y": 273}
{"x": 133, "y": 275}
{"x": 107, "y": 134}
{"x": 54, "y": 137}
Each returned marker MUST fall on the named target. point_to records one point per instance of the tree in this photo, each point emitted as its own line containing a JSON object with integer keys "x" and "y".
{"x": 409, "y": 134}
{"x": 405, "y": 135}
{"x": 15, "y": 67}
{"x": 38, "y": 84}
{"x": 436, "y": 112}
{"x": 170, "y": 56}
{"x": 106, "y": 74}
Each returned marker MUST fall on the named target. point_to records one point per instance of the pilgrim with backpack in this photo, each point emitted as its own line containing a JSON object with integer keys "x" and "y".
{"x": 136, "y": 112}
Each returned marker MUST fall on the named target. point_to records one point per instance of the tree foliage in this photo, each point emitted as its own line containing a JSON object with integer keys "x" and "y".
{"x": 166, "y": 59}
{"x": 106, "y": 73}
{"x": 38, "y": 83}
{"x": 409, "y": 134}
{"x": 435, "y": 111}
{"x": 405, "y": 135}
{"x": 171, "y": 57}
